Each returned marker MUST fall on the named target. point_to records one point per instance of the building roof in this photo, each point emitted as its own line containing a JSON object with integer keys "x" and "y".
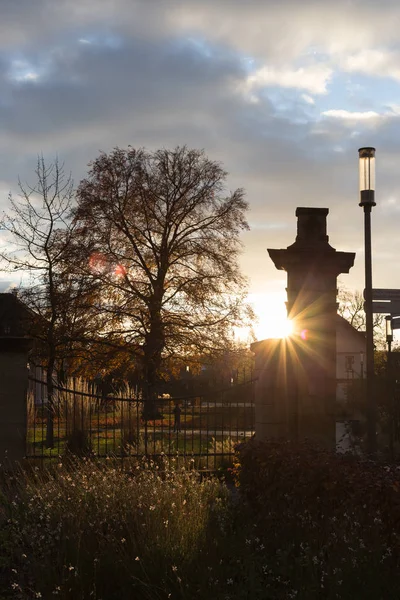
{"x": 344, "y": 324}
{"x": 16, "y": 318}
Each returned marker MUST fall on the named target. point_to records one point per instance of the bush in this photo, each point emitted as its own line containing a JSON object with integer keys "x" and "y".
{"x": 92, "y": 531}
{"x": 303, "y": 524}
{"x": 332, "y": 520}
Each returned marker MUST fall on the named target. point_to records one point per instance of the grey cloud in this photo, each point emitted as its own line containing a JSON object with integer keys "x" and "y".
{"x": 156, "y": 87}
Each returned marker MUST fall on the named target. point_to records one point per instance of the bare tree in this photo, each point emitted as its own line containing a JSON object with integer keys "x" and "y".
{"x": 351, "y": 308}
{"x": 39, "y": 237}
{"x": 162, "y": 237}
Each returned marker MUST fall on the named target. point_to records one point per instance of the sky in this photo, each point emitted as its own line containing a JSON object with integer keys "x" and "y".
{"x": 283, "y": 93}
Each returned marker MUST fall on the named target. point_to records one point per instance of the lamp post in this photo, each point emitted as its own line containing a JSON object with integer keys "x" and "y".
{"x": 362, "y": 364}
{"x": 389, "y": 333}
{"x": 367, "y": 201}
{"x": 389, "y": 340}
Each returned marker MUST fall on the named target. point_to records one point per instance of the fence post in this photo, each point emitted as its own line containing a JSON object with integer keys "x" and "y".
{"x": 13, "y": 392}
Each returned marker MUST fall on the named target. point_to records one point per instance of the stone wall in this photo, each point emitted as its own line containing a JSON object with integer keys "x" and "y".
{"x": 13, "y": 389}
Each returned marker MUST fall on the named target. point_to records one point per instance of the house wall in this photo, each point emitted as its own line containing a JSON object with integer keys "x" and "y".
{"x": 350, "y": 369}
{"x": 349, "y": 345}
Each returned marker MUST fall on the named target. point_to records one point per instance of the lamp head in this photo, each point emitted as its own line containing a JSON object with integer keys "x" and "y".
{"x": 367, "y": 176}
{"x": 389, "y": 331}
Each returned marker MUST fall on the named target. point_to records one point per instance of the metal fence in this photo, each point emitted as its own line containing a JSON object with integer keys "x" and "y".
{"x": 196, "y": 430}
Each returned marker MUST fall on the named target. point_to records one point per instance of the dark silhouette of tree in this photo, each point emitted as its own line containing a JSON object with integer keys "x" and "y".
{"x": 161, "y": 236}
{"x": 40, "y": 238}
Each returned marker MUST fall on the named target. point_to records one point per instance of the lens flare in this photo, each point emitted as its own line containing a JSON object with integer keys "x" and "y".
{"x": 120, "y": 271}
{"x": 97, "y": 262}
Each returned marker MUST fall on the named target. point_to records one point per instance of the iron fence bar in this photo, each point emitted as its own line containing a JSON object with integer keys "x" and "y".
{"x": 192, "y": 423}
{"x": 176, "y": 431}
{"x": 237, "y": 419}
{"x": 146, "y": 400}
{"x": 154, "y": 428}
{"x": 215, "y": 426}
{"x": 42, "y": 420}
{"x": 34, "y": 420}
{"x": 82, "y": 420}
{"x": 184, "y": 430}
{"x": 98, "y": 406}
{"x": 222, "y": 428}
{"x": 207, "y": 430}
{"x": 138, "y": 428}
{"x": 192, "y": 441}
{"x": 121, "y": 431}
{"x": 90, "y": 419}
{"x": 59, "y": 400}
{"x": 114, "y": 436}
{"x": 230, "y": 420}
{"x": 161, "y": 437}
{"x": 66, "y": 412}
{"x": 200, "y": 424}
{"x": 74, "y": 407}
{"x": 106, "y": 426}
{"x": 145, "y": 437}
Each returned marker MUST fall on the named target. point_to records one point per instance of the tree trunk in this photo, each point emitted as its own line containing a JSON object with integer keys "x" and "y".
{"x": 50, "y": 404}
{"x": 153, "y": 347}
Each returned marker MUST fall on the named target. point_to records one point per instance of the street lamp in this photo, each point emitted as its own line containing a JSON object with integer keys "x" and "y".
{"x": 367, "y": 201}
{"x": 389, "y": 332}
{"x": 389, "y": 340}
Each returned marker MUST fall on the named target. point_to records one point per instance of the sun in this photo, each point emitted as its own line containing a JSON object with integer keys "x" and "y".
{"x": 270, "y": 310}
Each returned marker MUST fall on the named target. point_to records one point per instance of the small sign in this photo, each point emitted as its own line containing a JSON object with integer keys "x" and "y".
{"x": 386, "y": 308}
{"x": 383, "y": 294}
{"x": 396, "y": 323}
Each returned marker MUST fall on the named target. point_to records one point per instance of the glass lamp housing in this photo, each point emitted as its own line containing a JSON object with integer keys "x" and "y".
{"x": 389, "y": 331}
{"x": 367, "y": 176}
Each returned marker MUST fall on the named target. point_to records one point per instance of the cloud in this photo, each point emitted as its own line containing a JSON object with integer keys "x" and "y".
{"x": 308, "y": 99}
{"x": 314, "y": 79}
{"x": 247, "y": 81}
{"x": 348, "y": 115}
{"x": 373, "y": 61}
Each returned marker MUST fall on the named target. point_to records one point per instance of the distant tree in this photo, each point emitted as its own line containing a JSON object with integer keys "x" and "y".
{"x": 351, "y": 308}
{"x": 39, "y": 238}
{"x": 161, "y": 236}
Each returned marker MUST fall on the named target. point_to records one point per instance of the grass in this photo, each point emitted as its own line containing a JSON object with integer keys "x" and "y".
{"x": 87, "y": 530}
{"x": 306, "y": 526}
{"x": 201, "y": 453}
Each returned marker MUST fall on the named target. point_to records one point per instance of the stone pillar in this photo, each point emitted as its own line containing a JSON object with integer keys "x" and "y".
{"x": 305, "y": 382}
{"x": 13, "y": 389}
{"x": 270, "y": 405}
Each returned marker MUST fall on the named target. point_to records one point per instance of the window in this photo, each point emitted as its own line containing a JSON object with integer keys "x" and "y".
{"x": 349, "y": 363}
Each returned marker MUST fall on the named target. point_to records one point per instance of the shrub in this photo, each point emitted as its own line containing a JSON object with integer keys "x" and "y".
{"x": 89, "y": 530}
{"x": 332, "y": 520}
